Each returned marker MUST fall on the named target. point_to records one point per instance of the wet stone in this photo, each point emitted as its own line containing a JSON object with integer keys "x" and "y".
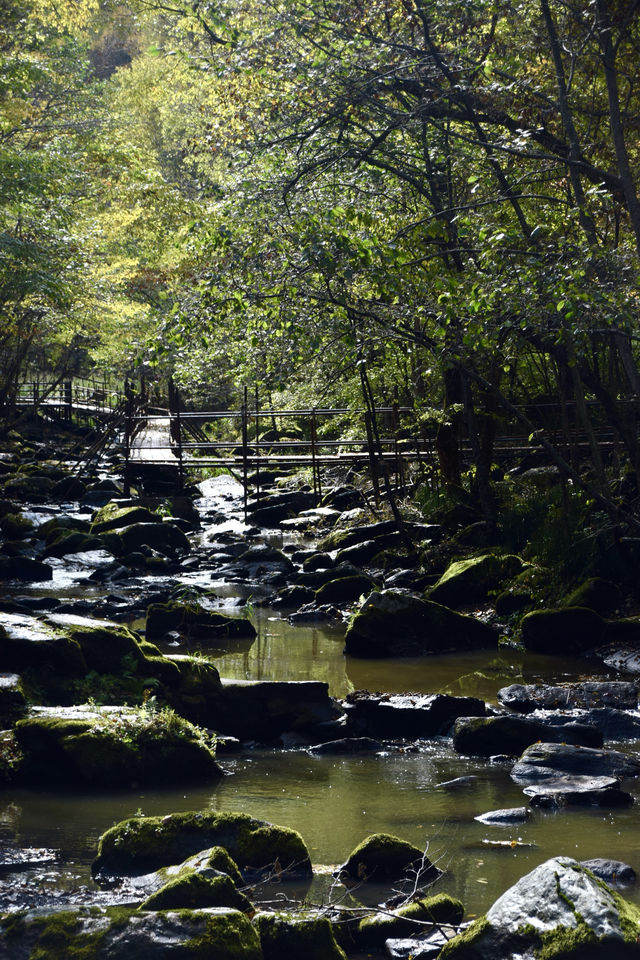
{"x": 525, "y": 698}
{"x": 548, "y": 761}
{"x": 408, "y": 716}
{"x": 504, "y": 818}
{"x": 612, "y": 871}
{"x": 578, "y": 791}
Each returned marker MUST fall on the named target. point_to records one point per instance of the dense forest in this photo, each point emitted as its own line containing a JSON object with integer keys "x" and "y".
{"x": 429, "y": 201}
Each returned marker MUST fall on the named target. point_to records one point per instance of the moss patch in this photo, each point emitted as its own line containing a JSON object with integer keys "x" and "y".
{"x": 142, "y": 844}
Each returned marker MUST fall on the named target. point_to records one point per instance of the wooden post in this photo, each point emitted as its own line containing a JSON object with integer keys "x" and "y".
{"x": 245, "y": 441}
{"x": 127, "y": 438}
{"x": 373, "y": 464}
{"x": 178, "y": 440}
{"x": 257, "y": 446}
{"x": 315, "y": 468}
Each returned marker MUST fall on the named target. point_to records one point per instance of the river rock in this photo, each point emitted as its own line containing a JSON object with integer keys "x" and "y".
{"x": 408, "y": 716}
{"x": 373, "y": 931}
{"x": 397, "y": 623}
{"x": 262, "y": 558}
{"x": 466, "y": 581}
{"x": 344, "y": 589}
{"x": 341, "y": 539}
{"x": 612, "y": 724}
{"x": 104, "y": 746}
{"x": 578, "y": 791}
{"x": 382, "y": 857}
{"x": 317, "y": 561}
{"x": 24, "y": 569}
{"x": 194, "y": 621}
{"x": 15, "y": 526}
{"x": 568, "y": 631}
{"x": 118, "y": 514}
{"x": 13, "y": 704}
{"x": 297, "y": 937}
{"x": 548, "y": 761}
{"x": 600, "y": 595}
{"x": 193, "y": 890}
{"x": 263, "y": 710}
{"x": 72, "y": 542}
{"x": 99, "y": 933}
{"x": 528, "y": 697}
{"x": 559, "y": 908}
{"x": 166, "y": 538}
{"x": 140, "y": 844}
{"x": 407, "y": 948}
{"x": 504, "y": 818}
{"x": 486, "y": 736}
{"x": 612, "y": 871}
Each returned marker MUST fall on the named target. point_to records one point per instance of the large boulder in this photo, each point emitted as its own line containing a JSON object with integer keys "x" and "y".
{"x": 409, "y": 716}
{"x": 409, "y": 920}
{"x": 547, "y": 761}
{"x": 382, "y": 857}
{"x": 103, "y": 746}
{"x": 344, "y": 589}
{"x": 525, "y": 698}
{"x": 569, "y": 631}
{"x": 600, "y": 595}
{"x": 304, "y": 937}
{"x": 578, "y": 791}
{"x": 122, "y": 933}
{"x": 485, "y": 736}
{"x": 166, "y": 538}
{"x": 194, "y": 621}
{"x": 264, "y": 709}
{"x": 116, "y": 515}
{"x": 141, "y": 844}
{"x": 25, "y": 569}
{"x": 467, "y": 581}
{"x": 559, "y": 911}
{"x": 396, "y": 623}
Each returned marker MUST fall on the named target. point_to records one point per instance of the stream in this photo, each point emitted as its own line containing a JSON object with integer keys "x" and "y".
{"x": 48, "y": 837}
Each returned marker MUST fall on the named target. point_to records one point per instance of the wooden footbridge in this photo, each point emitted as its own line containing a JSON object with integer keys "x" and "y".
{"x": 254, "y": 442}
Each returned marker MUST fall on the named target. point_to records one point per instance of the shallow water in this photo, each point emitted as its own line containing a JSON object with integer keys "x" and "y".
{"x": 336, "y": 801}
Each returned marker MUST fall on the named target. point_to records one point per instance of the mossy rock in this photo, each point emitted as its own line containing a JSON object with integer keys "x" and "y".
{"x": 111, "y": 648}
{"x": 95, "y": 933}
{"x": 408, "y": 921}
{"x": 568, "y": 630}
{"x": 113, "y": 516}
{"x": 72, "y": 542}
{"x": 396, "y": 623}
{"x": 198, "y": 694}
{"x": 13, "y": 704}
{"x": 36, "y": 649}
{"x": 113, "y": 747}
{"x": 513, "y": 601}
{"x": 194, "y": 621}
{"x": 297, "y": 937}
{"x": 471, "y": 580}
{"x": 344, "y": 589}
{"x": 15, "y": 526}
{"x": 163, "y": 537}
{"x": 559, "y": 911}
{"x": 24, "y": 569}
{"x": 597, "y": 594}
{"x": 193, "y": 890}
{"x": 24, "y": 488}
{"x": 382, "y": 857}
{"x": 142, "y": 844}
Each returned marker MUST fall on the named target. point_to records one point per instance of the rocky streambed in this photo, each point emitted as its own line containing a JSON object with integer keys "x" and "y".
{"x": 163, "y": 657}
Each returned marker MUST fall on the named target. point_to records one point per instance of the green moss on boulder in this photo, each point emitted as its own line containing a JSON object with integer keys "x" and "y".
{"x": 191, "y": 890}
{"x": 396, "y": 623}
{"x": 297, "y": 937}
{"x": 408, "y": 921}
{"x": 382, "y": 857}
{"x": 470, "y": 580}
{"x": 597, "y": 594}
{"x": 114, "y": 516}
{"x": 344, "y": 589}
{"x": 559, "y": 911}
{"x": 108, "y": 747}
{"x": 569, "y": 630}
{"x": 141, "y": 844}
{"x": 194, "y": 621}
